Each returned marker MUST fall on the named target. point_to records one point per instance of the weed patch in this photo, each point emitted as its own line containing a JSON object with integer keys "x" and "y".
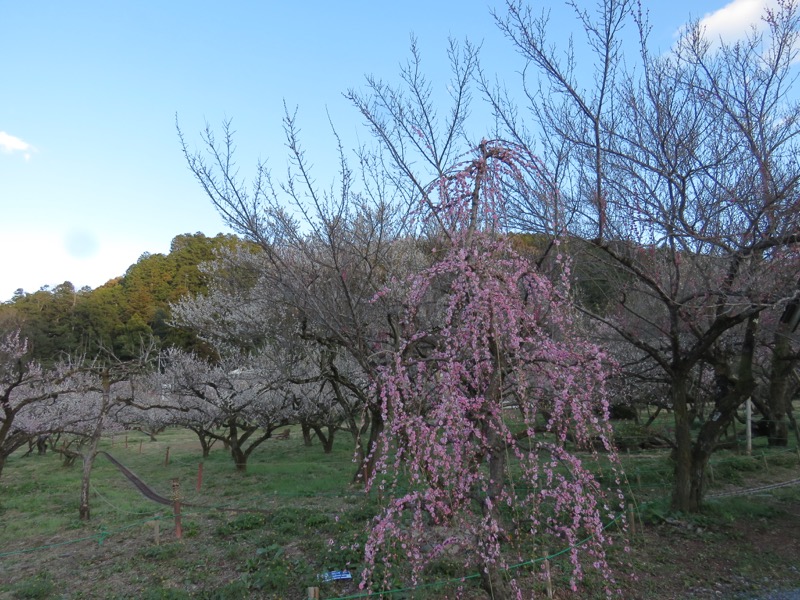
{"x": 37, "y": 587}
{"x": 245, "y": 522}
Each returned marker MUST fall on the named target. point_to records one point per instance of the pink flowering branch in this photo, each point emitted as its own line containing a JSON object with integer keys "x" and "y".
{"x": 478, "y": 476}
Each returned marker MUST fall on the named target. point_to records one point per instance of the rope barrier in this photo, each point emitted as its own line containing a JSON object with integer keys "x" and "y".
{"x": 755, "y": 490}
{"x": 116, "y": 508}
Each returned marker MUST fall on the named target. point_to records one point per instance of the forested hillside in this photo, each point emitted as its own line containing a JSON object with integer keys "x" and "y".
{"x": 116, "y": 316}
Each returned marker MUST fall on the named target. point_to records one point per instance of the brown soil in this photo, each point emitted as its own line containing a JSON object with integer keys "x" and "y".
{"x": 743, "y": 558}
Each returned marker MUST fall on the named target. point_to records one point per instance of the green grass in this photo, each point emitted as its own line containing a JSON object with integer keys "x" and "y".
{"x": 304, "y": 497}
{"x": 308, "y": 520}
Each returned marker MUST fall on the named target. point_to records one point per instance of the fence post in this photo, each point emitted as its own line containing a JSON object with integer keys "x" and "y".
{"x": 749, "y": 431}
{"x": 313, "y": 593}
{"x": 166, "y": 458}
{"x": 548, "y": 579}
{"x": 176, "y": 507}
{"x": 632, "y": 519}
{"x": 199, "y": 476}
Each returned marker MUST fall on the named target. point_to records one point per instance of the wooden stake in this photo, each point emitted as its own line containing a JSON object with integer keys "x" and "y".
{"x": 548, "y": 580}
{"x": 749, "y": 431}
{"x": 166, "y": 458}
{"x": 632, "y": 519}
{"x": 313, "y": 593}
{"x": 176, "y": 507}
{"x": 199, "y": 476}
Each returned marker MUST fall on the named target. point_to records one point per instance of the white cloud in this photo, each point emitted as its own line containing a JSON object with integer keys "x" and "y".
{"x": 10, "y": 143}
{"x": 735, "y": 20}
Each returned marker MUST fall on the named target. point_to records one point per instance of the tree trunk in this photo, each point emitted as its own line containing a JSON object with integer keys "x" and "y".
{"x": 494, "y": 580}
{"x": 10, "y": 444}
{"x": 707, "y": 439}
{"x": 495, "y": 584}
{"x": 692, "y": 458}
{"x": 366, "y": 453}
{"x": 780, "y": 387}
{"x": 206, "y": 441}
{"x": 326, "y": 439}
{"x": 91, "y": 452}
{"x": 327, "y": 443}
{"x": 88, "y": 462}
{"x": 239, "y": 457}
{"x": 353, "y": 428}
{"x": 701, "y": 453}
{"x": 237, "y": 454}
{"x": 306, "y": 429}
{"x": 682, "y": 488}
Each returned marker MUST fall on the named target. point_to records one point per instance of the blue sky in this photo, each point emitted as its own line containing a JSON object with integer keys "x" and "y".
{"x": 91, "y": 171}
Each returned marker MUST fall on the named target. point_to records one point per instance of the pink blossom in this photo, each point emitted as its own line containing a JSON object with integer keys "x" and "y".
{"x": 502, "y": 335}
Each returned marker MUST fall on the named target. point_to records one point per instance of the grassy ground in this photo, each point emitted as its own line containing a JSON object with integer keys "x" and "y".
{"x": 310, "y": 520}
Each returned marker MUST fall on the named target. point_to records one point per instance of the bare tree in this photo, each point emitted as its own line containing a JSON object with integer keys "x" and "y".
{"x": 683, "y": 174}
{"x": 325, "y": 254}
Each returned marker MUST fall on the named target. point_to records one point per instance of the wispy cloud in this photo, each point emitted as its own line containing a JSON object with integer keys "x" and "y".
{"x": 10, "y": 143}
{"x": 735, "y": 20}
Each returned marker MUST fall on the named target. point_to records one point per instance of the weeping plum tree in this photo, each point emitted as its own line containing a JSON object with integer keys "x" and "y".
{"x": 486, "y": 386}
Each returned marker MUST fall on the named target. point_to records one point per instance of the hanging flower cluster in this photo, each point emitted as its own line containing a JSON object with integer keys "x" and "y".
{"x": 493, "y": 405}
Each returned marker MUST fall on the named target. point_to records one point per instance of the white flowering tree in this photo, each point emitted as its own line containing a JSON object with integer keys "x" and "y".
{"x": 238, "y": 399}
{"x": 27, "y": 390}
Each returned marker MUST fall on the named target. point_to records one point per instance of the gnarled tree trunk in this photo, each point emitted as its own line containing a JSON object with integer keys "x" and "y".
{"x": 780, "y": 383}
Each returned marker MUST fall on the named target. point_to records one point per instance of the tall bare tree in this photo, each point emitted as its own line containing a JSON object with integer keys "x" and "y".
{"x": 681, "y": 171}
{"x": 326, "y": 253}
